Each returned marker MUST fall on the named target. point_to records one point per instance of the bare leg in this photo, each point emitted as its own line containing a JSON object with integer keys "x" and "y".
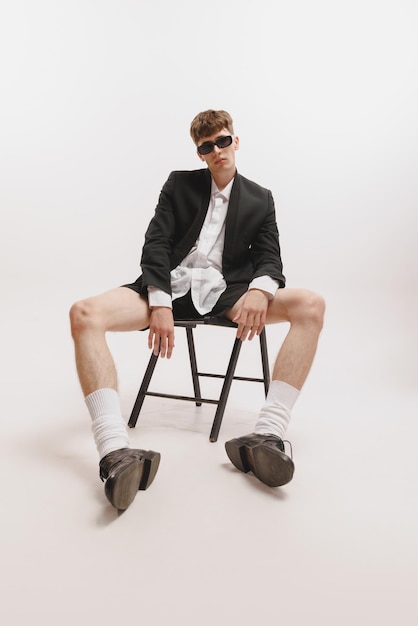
{"x": 305, "y": 311}
{"x": 120, "y": 309}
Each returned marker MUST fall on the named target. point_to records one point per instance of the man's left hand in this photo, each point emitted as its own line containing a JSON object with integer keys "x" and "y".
{"x": 251, "y": 317}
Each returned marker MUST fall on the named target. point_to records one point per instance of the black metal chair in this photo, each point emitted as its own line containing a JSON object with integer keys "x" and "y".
{"x": 228, "y": 377}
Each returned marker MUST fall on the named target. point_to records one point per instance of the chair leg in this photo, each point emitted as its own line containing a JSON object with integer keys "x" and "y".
{"x": 265, "y": 360}
{"x": 225, "y": 390}
{"x": 193, "y": 364}
{"x": 142, "y": 390}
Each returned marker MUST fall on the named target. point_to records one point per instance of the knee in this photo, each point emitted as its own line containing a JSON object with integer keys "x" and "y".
{"x": 83, "y": 316}
{"x": 319, "y": 307}
{"x": 312, "y": 309}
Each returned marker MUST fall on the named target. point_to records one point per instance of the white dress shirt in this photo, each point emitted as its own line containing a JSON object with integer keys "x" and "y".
{"x": 201, "y": 270}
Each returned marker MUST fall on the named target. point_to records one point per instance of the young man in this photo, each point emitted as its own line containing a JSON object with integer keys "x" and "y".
{"x": 211, "y": 247}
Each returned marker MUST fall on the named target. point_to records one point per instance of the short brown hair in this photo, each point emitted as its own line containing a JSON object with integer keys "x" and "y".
{"x": 209, "y": 122}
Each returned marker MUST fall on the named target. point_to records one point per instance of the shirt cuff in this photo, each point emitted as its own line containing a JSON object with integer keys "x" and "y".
{"x": 158, "y": 297}
{"x": 265, "y": 283}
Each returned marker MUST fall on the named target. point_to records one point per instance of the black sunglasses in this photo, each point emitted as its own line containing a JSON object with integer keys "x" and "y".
{"x": 221, "y": 142}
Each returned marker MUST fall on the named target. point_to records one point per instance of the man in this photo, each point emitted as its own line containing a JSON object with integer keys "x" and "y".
{"x": 211, "y": 247}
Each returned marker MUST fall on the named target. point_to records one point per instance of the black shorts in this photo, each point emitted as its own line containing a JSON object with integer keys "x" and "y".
{"x": 183, "y": 308}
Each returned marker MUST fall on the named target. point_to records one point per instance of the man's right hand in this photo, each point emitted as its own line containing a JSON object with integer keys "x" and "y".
{"x": 161, "y": 331}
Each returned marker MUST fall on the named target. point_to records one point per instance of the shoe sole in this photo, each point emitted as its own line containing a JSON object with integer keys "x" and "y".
{"x": 122, "y": 488}
{"x": 271, "y": 467}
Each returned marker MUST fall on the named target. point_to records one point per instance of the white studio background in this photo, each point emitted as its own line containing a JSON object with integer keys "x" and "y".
{"x": 96, "y": 102}
{"x": 97, "y": 98}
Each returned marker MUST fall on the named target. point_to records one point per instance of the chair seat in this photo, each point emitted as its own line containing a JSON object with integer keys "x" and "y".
{"x": 208, "y": 321}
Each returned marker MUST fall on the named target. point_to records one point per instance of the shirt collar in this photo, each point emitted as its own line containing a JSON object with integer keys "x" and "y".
{"x": 225, "y": 193}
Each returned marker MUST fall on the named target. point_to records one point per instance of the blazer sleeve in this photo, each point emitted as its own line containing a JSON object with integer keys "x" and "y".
{"x": 265, "y": 248}
{"x": 155, "y": 259}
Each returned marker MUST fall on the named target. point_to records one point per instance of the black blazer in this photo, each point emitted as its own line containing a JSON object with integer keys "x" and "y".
{"x": 251, "y": 246}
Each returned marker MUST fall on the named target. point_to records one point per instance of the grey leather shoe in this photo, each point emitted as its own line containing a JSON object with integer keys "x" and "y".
{"x": 264, "y": 456}
{"x": 125, "y": 471}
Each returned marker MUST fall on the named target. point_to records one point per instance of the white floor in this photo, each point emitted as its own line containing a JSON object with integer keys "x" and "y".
{"x": 207, "y": 544}
{"x": 96, "y": 102}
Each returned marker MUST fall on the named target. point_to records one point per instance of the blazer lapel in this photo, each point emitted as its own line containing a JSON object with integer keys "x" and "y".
{"x": 232, "y": 216}
{"x": 202, "y": 203}
{"x": 203, "y": 208}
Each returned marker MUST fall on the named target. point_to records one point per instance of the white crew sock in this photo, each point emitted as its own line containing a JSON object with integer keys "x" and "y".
{"x": 108, "y": 426}
{"x": 275, "y": 414}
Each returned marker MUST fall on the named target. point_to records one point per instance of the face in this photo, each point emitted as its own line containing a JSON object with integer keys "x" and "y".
{"x": 220, "y": 160}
